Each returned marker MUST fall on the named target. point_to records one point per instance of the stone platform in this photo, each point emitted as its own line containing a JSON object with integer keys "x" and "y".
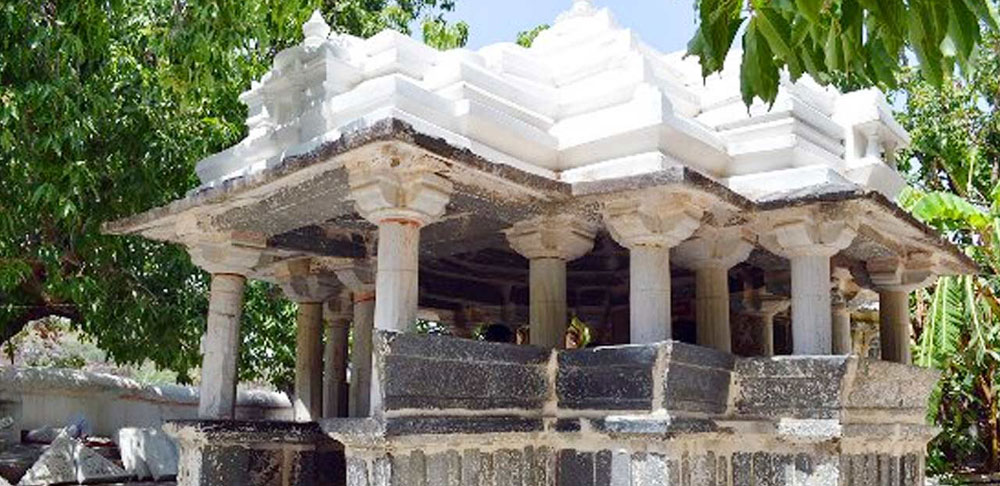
{"x": 455, "y": 412}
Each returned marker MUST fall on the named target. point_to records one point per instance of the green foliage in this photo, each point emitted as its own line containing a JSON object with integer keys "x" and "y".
{"x": 953, "y": 165}
{"x": 105, "y": 106}
{"x": 526, "y": 38}
{"x": 843, "y": 42}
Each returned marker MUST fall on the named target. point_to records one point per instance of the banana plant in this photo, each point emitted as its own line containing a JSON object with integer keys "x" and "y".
{"x": 959, "y": 333}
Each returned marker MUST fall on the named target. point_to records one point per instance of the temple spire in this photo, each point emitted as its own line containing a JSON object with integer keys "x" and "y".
{"x": 315, "y": 29}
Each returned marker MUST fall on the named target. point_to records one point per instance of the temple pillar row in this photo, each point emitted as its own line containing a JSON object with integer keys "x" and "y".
{"x": 308, "y": 284}
{"x": 808, "y": 243}
{"x": 548, "y": 242}
{"x": 649, "y": 226}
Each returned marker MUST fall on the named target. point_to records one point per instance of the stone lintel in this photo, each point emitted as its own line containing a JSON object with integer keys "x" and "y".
{"x": 903, "y": 274}
{"x": 564, "y": 236}
{"x": 652, "y": 220}
{"x": 399, "y": 186}
{"x": 714, "y": 247}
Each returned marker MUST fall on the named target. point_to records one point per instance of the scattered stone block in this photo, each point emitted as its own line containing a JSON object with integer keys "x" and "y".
{"x": 148, "y": 453}
{"x": 67, "y": 460}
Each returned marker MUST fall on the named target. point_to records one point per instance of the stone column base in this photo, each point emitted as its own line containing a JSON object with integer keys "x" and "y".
{"x": 241, "y": 453}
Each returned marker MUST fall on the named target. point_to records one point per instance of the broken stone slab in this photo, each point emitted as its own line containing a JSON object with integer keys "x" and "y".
{"x": 67, "y": 460}
{"x": 148, "y": 453}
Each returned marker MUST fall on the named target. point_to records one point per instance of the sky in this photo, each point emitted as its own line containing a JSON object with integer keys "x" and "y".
{"x": 664, "y": 24}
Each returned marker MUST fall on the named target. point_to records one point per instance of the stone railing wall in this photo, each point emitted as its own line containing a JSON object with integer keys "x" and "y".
{"x": 458, "y": 412}
{"x": 38, "y": 397}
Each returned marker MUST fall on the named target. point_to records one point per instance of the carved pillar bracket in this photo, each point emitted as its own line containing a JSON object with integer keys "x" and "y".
{"x": 659, "y": 221}
{"x": 408, "y": 191}
{"x": 565, "y": 237}
{"x": 808, "y": 242}
{"x": 548, "y": 242}
{"x": 904, "y": 274}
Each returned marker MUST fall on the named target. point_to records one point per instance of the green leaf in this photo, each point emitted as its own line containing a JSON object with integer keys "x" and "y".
{"x": 759, "y": 74}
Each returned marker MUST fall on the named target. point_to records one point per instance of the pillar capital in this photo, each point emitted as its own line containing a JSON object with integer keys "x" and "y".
{"x": 565, "y": 237}
{"x": 303, "y": 280}
{"x": 809, "y": 237}
{"x": 405, "y": 192}
{"x": 339, "y": 309}
{"x": 903, "y": 274}
{"x": 713, "y": 247}
{"x": 770, "y": 306}
{"x": 649, "y": 220}
{"x": 227, "y": 257}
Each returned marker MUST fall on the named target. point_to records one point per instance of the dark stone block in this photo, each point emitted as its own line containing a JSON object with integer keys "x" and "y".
{"x": 602, "y": 468}
{"x": 641, "y": 425}
{"x": 796, "y": 387}
{"x": 742, "y": 469}
{"x": 509, "y": 467}
{"x": 446, "y": 348}
{"x": 461, "y": 425}
{"x": 694, "y": 389}
{"x": 611, "y": 378}
{"x": 568, "y": 425}
{"x": 431, "y": 381}
{"x": 575, "y": 468}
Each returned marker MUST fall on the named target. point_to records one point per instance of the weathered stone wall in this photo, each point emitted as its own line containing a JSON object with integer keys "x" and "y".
{"x": 50, "y": 397}
{"x": 467, "y": 413}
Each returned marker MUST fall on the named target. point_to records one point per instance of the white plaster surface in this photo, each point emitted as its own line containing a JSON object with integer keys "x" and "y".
{"x": 811, "y": 318}
{"x": 588, "y": 100}
{"x": 51, "y": 397}
{"x": 712, "y": 307}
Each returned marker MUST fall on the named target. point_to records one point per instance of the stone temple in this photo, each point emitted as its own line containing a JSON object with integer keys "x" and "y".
{"x": 716, "y": 253}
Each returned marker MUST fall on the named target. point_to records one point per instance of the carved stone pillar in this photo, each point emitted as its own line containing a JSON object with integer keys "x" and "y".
{"x": 809, "y": 243}
{"x": 309, "y": 285}
{"x": 548, "y": 243}
{"x": 229, "y": 265}
{"x": 400, "y": 194}
{"x": 895, "y": 278}
{"x": 649, "y": 226}
{"x": 338, "y": 316}
{"x": 711, "y": 254}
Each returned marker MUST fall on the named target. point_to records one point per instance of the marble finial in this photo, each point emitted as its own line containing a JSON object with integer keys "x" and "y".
{"x": 580, "y": 8}
{"x": 315, "y": 29}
